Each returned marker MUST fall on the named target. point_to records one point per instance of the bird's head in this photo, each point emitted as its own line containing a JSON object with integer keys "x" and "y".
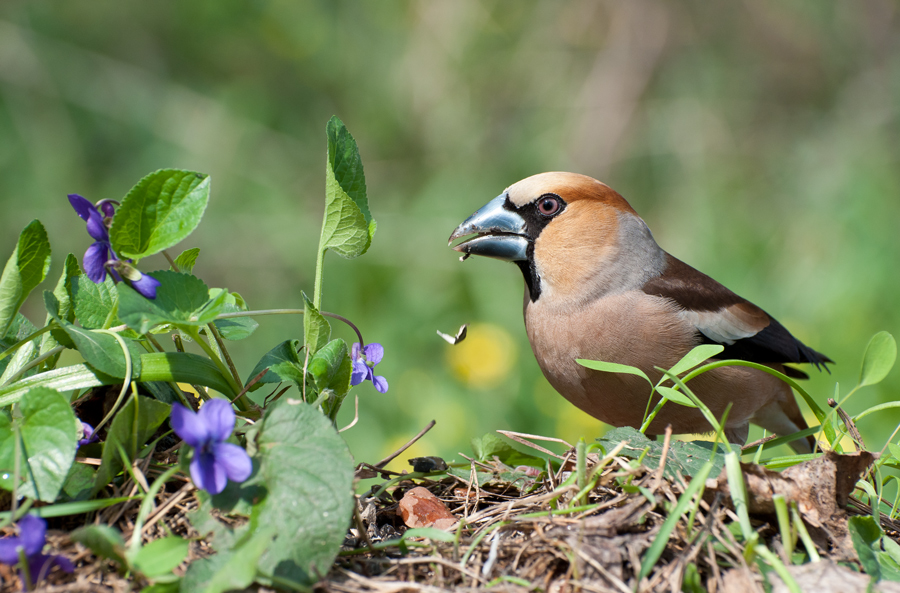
{"x": 572, "y": 236}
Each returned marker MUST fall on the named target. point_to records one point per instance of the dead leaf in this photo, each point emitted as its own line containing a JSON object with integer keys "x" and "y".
{"x": 820, "y": 487}
{"x": 421, "y": 508}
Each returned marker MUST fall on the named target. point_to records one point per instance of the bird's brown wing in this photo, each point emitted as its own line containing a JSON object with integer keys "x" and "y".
{"x": 722, "y": 317}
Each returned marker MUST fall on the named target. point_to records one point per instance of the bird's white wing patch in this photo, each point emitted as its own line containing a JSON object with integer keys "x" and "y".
{"x": 721, "y": 326}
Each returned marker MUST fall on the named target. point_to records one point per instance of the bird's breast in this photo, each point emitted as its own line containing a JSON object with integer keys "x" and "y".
{"x": 629, "y": 328}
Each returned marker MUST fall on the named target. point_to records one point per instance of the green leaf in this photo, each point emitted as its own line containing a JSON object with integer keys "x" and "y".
{"x": 685, "y": 457}
{"x": 26, "y": 268}
{"x": 331, "y": 368}
{"x": 895, "y": 453}
{"x": 98, "y": 348}
{"x": 160, "y": 556}
{"x": 865, "y": 534}
{"x": 491, "y": 445}
{"x": 612, "y": 367}
{"x": 699, "y": 354}
{"x": 283, "y": 363}
{"x": 308, "y": 472}
{"x": 49, "y": 433}
{"x": 183, "y": 367}
{"x": 316, "y": 330}
{"x": 348, "y": 226}
{"x": 161, "y": 210}
{"x": 18, "y": 330}
{"x": 881, "y": 353}
{"x": 103, "y": 351}
{"x": 95, "y": 304}
{"x": 62, "y": 292}
{"x": 26, "y": 353}
{"x": 675, "y": 396}
{"x": 230, "y": 570}
{"x": 235, "y": 328}
{"x": 78, "y": 483}
{"x": 181, "y": 299}
{"x": 104, "y": 541}
{"x": 186, "y": 260}
{"x": 345, "y": 162}
{"x": 133, "y": 425}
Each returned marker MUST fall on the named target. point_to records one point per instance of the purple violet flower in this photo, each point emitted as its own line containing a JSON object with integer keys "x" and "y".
{"x": 87, "y": 434}
{"x": 31, "y": 539}
{"x": 215, "y": 461}
{"x": 364, "y": 362}
{"x": 101, "y": 253}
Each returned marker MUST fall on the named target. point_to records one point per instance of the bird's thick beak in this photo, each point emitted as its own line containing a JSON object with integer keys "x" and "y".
{"x": 500, "y": 233}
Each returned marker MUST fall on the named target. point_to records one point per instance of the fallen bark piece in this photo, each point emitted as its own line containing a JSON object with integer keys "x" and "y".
{"x": 821, "y": 488}
{"x": 421, "y": 508}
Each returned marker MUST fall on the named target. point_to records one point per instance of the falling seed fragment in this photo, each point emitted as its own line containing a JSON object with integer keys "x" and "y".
{"x": 460, "y": 335}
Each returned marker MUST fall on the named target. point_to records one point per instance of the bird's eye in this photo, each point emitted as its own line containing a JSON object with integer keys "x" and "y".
{"x": 548, "y": 205}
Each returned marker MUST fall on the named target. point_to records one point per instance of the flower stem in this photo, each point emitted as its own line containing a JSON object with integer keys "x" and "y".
{"x": 214, "y": 331}
{"x": 263, "y": 312}
{"x": 320, "y": 264}
{"x": 243, "y": 403}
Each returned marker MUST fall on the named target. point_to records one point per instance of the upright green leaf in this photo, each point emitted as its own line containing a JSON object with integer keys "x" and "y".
{"x": 95, "y": 304}
{"x": 346, "y": 164}
{"x": 307, "y": 469}
{"x": 331, "y": 369}
{"x": 316, "y": 329}
{"x": 181, "y": 299}
{"x": 62, "y": 292}
{"x": 26, "y": 268}
{"x": 865, "y": 533}
{"x": 881, "y": 353}
{"x": 49, "y": 433}
{"x": 283, "y": 362}
{"x": 347, "y": 227}
{"x": 133, "y": 425}
{"x": 186, "y": 260}
{"x": 699, "y": 354}
{"x": 161, "y": 210}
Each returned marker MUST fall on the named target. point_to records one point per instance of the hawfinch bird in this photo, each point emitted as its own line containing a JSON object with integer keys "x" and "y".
{"x": 597, "y": 286}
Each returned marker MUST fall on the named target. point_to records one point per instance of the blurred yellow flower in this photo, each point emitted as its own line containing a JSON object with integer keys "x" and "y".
{"x": 485, "y": 358}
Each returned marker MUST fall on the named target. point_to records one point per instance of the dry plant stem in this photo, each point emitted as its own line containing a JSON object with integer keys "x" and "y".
{"x": 662, "y": 458}
{"x": 441, "y": 561}
{"x": 412, "y": 441}
{"x": 250, "y": 384}
{"x": 757, "y": 443}
{"x": 848, "y": 422}
{"x": 520, "y": 437}
{"x": 616, "y": 582}
{"x": 173, "y": 500}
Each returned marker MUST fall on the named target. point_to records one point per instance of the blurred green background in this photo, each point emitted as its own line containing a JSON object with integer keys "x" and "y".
{"x": 759, "y": 140}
